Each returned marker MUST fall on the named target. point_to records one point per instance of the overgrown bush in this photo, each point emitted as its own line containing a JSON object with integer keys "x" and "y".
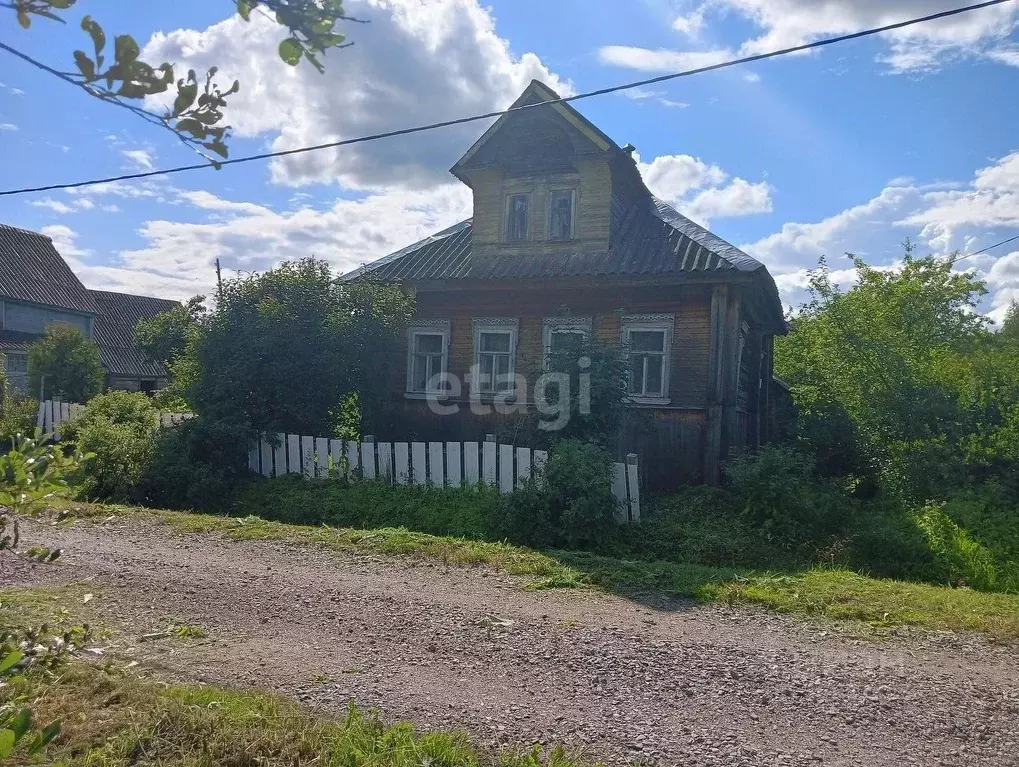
{"x": 18, "y": 415}
{"x": 778, "y": 492}
{"x": 118, "y": 428}
{"x": 964, "y": 560}
{"x": 568, "y": 505}
{"x": 197, "y": 464}
{"x": 65, "y": 365}
{"x": 370, "y": 504}
{"x": 702, "y": 525}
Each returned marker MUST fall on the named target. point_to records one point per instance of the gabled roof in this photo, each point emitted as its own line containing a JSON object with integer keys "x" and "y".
{"x": 115, "y": 321}
{"x": 32, "y": 270}
{"x": 654, "y": 239}
{"x": 535, "y": 94}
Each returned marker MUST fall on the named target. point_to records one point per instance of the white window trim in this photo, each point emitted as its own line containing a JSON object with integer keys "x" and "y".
{"x": 660, "y": 322}
{"x": 528, "y": 236}
{"x": 573, "y": 214}
{"x": 550, "y": 325}
{"x": 431, "y": 328}
{"x": 481, "y": 325}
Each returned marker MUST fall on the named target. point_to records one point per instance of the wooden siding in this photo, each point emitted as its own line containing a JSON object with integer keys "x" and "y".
{"x": 690, "y": 304}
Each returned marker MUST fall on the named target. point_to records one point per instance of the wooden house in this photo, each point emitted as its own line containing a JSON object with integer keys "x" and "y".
{"x": 566, "y": 239}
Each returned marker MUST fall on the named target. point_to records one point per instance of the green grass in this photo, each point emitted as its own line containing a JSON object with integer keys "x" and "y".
{"x": 815, "y": 593}
{"x": 111, "y": 718}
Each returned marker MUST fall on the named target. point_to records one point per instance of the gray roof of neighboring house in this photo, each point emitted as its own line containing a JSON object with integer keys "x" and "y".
{"x": 32, "y": 270}
{"x": 653, "y": 239}
{"x": 115, "y": 320}
{"x": 12, "y": 340}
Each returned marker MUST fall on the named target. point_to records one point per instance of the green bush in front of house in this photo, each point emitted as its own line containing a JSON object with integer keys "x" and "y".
{"x": 118, "y": 428}
{"x": 64, "y": 364}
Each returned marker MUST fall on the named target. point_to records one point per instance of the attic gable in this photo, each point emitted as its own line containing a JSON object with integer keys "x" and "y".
{"x": 535, "y": 138}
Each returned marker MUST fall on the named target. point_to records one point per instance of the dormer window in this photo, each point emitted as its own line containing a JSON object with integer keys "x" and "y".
{"x": 517, "y": 217}
{"x": 560, "y": 214}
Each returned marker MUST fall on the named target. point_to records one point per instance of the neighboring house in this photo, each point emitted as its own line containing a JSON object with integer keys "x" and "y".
{"x": 38, "y": 289}
{"x": 566, "y": 239}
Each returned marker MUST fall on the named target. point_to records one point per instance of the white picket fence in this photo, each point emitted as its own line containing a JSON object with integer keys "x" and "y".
{"x": 53, "y": 412}
{"x": 440, "y": 464}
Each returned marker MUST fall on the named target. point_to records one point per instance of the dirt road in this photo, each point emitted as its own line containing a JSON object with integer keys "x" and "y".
{"x": 469, "y": 648}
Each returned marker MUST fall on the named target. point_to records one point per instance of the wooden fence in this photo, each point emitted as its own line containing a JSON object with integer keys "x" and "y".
{"x": 53, "y": 412}
{"x": 440, "y": 464}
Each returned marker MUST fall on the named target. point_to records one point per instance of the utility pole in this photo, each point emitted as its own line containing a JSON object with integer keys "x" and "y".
{"x": 219, "y": 281}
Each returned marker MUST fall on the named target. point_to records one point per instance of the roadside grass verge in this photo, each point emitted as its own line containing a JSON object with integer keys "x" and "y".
{"x": 818, "y": 593}
{"x": 112, "y": 718}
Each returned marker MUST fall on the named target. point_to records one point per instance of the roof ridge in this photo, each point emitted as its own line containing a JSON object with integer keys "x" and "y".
{"x": 26, "y": 231}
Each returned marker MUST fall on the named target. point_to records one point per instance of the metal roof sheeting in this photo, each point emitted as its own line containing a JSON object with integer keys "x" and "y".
{"x": 115, "y": 321}
{"x": 653, "y": 239}
{"x": 32, "y": 270}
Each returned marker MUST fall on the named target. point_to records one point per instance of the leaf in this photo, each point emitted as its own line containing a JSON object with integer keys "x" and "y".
{"x": 192, "y": 126}
{"x": 25, "y": 21}
{"x": 21, "y": 723}
{"x": 85, "y": 65}
{"x": 96, "y": 33}
{"x": 290, "y": 51}
{"x": 48, "y": 733}
{"x": 244, "y": 9}
{"x": 218, "y": 147}
{"x": 10, "y": 660}
{"x": 6, "y": 743}
{"x": 127, "y": 50}
{"x": 185, "y": 97}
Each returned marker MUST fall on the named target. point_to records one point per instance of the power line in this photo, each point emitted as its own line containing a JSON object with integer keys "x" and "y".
{"x": 992, "y": 247}
{"x": 499, "y": 113}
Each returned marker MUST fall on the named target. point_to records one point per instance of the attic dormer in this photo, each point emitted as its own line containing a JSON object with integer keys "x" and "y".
{"x": 546, "y": 179}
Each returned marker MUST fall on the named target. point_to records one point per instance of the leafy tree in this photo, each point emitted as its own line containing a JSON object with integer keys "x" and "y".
{"x": 165, "y": 337}
{"x": 117, "y": 75}
{"x": 284, "y": 349}
{"x": 1010, "y": 326}
{"x": 899, "y": 378}
{"x": 65, "y": 364}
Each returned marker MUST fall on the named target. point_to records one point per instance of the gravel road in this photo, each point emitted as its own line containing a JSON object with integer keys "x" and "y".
{"x": 626, "y": 683}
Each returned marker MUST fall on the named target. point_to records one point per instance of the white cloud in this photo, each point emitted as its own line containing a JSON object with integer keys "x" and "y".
{"x": 659, "y": 97}
{"x": 691, "y": 24}
{"x": 942, "y": 218}
{"x": 8, "y": 127}
{"x": 65, "y": 240}
{"x": 140, "y": 159}
{"x": 788, "y": 23}
{"x": 61, "y": 207}
{"x": 739, "y": 198}
{"x": 700, "y": 190}
{"x": 752, "y": 77}
{"x": 661, "y": 59}
{"x": 415, "y": 63}
{"x": 177, "y": 258}
{"x": 11, "y": 89}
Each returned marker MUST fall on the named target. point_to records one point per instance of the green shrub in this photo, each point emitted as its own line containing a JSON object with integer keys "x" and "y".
{"x": 65, "y": 363}
{"x": 117, "y": 428}
{"x": 369, "y": 504}
{"x": 882, "y": 539}
{"x": 18, "y": 415}
{"x": 965, "y": 561}
{"x": 197, "y": 464}
{"x": 570, "y": 505}
{"x": 778, "y": 492}
{"x": 701, "y": 525}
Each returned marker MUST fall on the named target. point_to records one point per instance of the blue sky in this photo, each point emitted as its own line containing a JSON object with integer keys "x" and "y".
{"x": 850, "y": 149}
